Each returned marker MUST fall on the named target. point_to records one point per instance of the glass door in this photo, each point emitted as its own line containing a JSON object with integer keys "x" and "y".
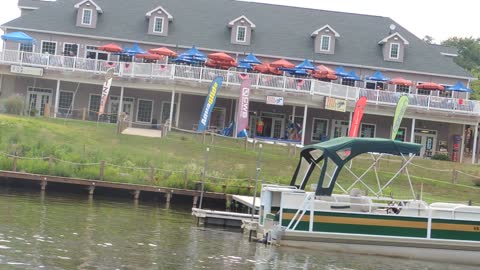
{"x": 428, "y": 140}
{"x": 339, "y": 129}
{"x": 37, "y": 100}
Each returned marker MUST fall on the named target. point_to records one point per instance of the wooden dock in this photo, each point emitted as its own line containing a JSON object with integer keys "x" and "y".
{"x": 90, "y": 185}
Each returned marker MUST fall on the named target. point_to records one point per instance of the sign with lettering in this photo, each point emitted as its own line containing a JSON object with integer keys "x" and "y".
{"x": 335, "y": 104}
{"x": 26, "y": 70}
{"x": 273, "y": 100}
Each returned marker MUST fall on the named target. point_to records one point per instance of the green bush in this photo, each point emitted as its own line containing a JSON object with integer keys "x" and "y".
{"x": 440, "y": 157}
{"x": 14, "y": 104}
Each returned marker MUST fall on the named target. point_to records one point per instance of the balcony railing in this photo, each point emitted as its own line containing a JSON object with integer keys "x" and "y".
{"x": 231, "y": 77}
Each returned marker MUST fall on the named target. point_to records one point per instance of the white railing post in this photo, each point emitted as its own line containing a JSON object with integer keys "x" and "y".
{"x": 284, "y": 83}
{"x": 312, "y": 86}
{"x": 21, "y": 58}
{"x": 228, "y": 78}
{"x": 201, "y": 73}
{"x": 378, "y": 95}
{"x": 74, "y": 63}
{"x": 330, "y": 89}
{"x": 258, "y": 80}
{"x": 172, "y": 71}
{"x": 151, "y": 70}
{"x": 428, "y": 103}
{"x": 133, "y": 69}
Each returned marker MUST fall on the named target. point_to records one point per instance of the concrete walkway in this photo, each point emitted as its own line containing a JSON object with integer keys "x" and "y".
{"x": 153, "y": 133}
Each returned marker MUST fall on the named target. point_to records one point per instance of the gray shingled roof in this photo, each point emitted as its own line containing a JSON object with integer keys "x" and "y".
{"x": 281, "y": 31}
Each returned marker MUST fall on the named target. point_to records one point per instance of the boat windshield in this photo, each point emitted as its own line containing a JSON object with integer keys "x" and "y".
{"x": 307, "y": 164}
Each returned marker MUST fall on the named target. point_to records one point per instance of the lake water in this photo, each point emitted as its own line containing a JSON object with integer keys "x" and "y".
{"x": 57, "y": 231}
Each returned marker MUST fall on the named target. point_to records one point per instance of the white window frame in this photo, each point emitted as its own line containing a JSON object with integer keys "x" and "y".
{"x": 155, "y": 24}
{"x": 313, "y": 125}
{"x": 138, "y": 108}
{"x": 321, "y": 43}
{"x": 90, "y": 99}
{"x": 174, "y": 111}
{"x": 73, "y": 98}
{"x": 90, "y": 17}
{"x": 20, "y": 44}
{"x": 97, "y": 51}
{"x": 56, "y": 46}
{"x": 409, "y": 89}
{"x": 374, "y": 130}
{"x": 245, "y": 36}
{"x": 398, "y": 50}
{"x": 67, "y": 43}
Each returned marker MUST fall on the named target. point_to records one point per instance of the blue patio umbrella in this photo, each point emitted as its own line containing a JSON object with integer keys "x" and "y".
{"x": 135, "y": 49}
{"x": 245, "y": 65}
{"x": 352, "y": 76}
{"x": 377, "y": 76}
{"x": 340, "y": 71}
{"x": 306, "y": 65}
{"x": 18, "y": 37}
{"x": 194, "y": 54}
{"x": 295, "y": 71}
{"x": 459, "y": 87}
{"x": 250, "y": 59}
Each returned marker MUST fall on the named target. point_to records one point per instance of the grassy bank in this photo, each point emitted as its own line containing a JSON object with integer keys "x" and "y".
{"x": 76, "y": 149}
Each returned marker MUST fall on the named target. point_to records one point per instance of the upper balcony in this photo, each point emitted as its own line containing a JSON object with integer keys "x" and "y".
{"x": 282, "y": 84}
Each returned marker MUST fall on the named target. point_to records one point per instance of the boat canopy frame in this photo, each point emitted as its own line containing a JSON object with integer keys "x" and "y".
{"x": 337, "y": 152}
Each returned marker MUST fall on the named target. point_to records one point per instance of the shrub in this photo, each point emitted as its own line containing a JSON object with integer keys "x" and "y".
{"x": 440, "y": 157}
{"x": 14, "y": 104}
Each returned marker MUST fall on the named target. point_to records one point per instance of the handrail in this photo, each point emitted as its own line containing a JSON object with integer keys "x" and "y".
{"x": 200, "y": 74}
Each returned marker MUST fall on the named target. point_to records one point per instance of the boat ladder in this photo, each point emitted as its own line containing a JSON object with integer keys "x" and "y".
{"x": 306, "y": 205}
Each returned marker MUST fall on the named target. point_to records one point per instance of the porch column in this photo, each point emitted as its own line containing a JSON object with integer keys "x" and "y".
{"x": 350, "y": 120}
{"x": 293, "y": 113}
{"x": 120, "y": 104}
{"x": 171, "y": 110}
{"x": 177, "y": 114}
{"x": 475, "y": 137}
{"x": 57, "y": 99}
{"x": 304, "y": 127}
{"x": 1, "y": 82}
{"x": 412, "y": 132}
{"x": 462, "y": 146}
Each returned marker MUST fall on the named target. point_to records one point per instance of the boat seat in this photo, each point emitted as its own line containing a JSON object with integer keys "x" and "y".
{"x": 414, "y": 208}
{"x": 361, "y": 204}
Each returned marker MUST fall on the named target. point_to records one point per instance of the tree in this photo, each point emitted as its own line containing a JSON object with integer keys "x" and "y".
{"x": 468, "y": 58}
{"x": 428, "y": 39}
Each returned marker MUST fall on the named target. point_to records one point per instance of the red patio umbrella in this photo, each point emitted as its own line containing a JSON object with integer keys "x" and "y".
{"x": 149, "y": 56}
{"x": 220, "y": 56}
{"x": 163, "y": 51}
{"x": 282, "y": 63}
{"x": 325, "y": 76}
{"x": 430, "y": 86}
{"x": 111, "y": 47}
{"x": 274, "y": 70}
{"x": 221, "y": 64}
{"x": 262, "y": 68}
{"x": 324, "y": 70}
{"x": 400, "y": 81}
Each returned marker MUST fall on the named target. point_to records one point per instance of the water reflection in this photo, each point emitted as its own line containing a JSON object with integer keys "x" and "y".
{"x": 54, "y": 231}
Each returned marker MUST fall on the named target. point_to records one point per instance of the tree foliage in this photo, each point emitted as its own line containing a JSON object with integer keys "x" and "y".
{"x": 468, "y": 58}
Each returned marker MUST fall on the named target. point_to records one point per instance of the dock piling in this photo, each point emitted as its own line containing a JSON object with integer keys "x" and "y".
{"x": 168, "y": 196}
{"x": 43, "y": 184}
{"x": 136, "y": 195}
{"x": 91, "y": 189}
{"x": 195, "y": 199}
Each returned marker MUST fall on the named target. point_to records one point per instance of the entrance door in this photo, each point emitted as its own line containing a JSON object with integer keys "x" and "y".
{"x": 37, "y": 99}
{"x": 274, "y": 125}
{"x": 339, "y": 129}
{"x": 114, "y": 103}
{"x": 428, "y": 140}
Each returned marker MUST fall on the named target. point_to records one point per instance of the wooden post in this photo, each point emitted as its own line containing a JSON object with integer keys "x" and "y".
{"x": 152, "y": 172}
{"x": 195, "y": 199}
{"x": 50, "y": 164}
{"x": 84, "y": 114}
{"x": 136, "y": 195}
{"x": 185, "y": 179}
{"x": 14, "y": 163}
{"x": 454, "y": 176}
{"x": 246, "y": 143}
{"x": 168, "y": 197}
{"x": 204, "y": 135}
{"x": 91, "y": 189}
{"x": 102, "y": 170}
{"x": 43, "y": 184}
{"x": 228, "y": 202}
{"x": 212, "y": 138}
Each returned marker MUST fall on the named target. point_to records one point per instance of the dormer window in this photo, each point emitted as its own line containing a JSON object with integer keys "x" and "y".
{"x": 87, "y": 16}
{"x": 394, "y": 50}
{"x": 241, "y": 32}
{"x": 394, "y": 47}
{"x": 158, "y": 21}
{"x": 324, "y": 39}
{"x": 87, "y": 13}
{"x": 158, "y": 25}
{"x": 325, "y": 43}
